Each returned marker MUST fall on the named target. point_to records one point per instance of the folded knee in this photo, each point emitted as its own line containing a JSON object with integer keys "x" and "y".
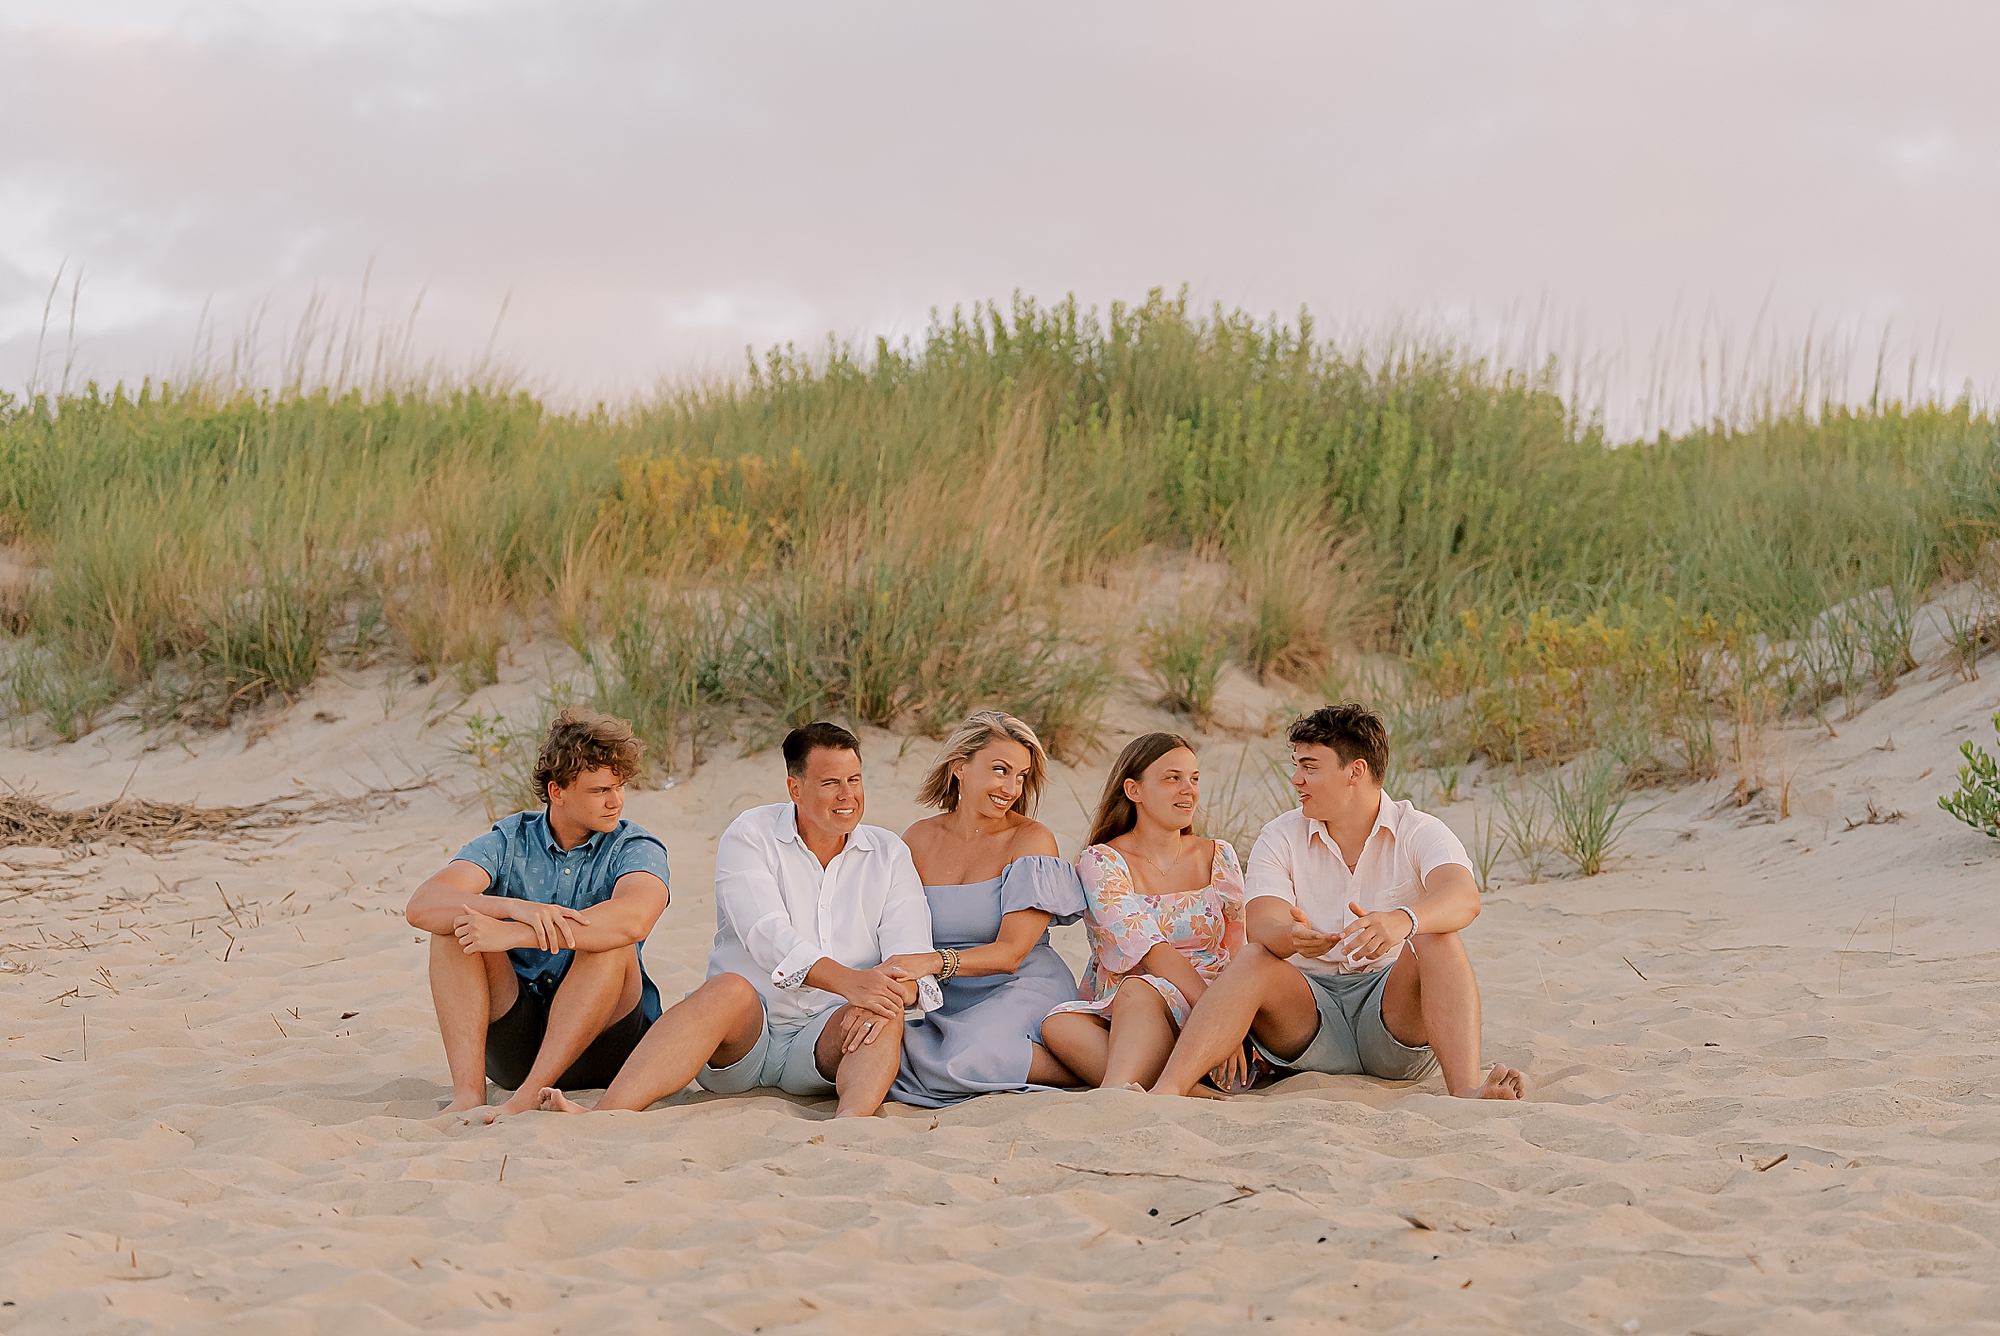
{"x": 1137, "y": 992}
{"x": 1439, "y": 946}
{"x": 731, "y": 990}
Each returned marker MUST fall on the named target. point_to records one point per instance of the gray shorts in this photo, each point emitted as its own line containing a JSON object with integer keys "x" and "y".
{"x": 782, "y": 1057}
{"x": 1352, "y": 1040}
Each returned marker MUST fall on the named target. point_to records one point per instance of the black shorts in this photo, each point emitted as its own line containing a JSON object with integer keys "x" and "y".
{"x": 513, "y": 1041}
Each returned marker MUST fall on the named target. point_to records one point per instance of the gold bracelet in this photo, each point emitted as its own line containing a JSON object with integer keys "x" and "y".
{"x": 950, "y": 959}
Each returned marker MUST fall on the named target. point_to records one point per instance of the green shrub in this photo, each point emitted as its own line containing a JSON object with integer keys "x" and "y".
{"x": 1977, "y": 801}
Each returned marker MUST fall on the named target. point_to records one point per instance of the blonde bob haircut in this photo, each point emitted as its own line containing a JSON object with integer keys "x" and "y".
{"x": 940, "y": 787}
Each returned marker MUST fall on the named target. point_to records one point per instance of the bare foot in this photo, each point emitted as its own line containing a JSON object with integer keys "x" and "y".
{"x": 1200, "y": 1091}
{"x": 1503, "y": 1083}
{"x": 465, "y": 1103}
{"x": 524, "y": 1101}
{"x": 554, "y": 1101}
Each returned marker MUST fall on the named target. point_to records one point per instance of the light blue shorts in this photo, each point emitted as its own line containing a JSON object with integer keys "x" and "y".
{"x": 782, "y": 1057}
{"x": 1352, "y": 1039}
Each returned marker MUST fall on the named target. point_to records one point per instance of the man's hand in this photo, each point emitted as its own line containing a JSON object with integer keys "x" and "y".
{"x": 860, "y": 1027}
{"x": 1232, "y": 1074}
{"x": 550, "y": 923}
{"x": 1307, "y": 940}
{"x": 1372, "y": 936}
{"x": 483, "y": 932}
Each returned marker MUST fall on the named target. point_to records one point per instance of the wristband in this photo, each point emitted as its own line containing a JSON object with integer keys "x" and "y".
{"x": 929, "y": 996}
{"x": 1413, "y": 920}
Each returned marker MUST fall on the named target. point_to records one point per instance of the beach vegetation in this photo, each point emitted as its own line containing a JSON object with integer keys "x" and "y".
{"x": 895, "y": 535}
{"x": 1976, "y": 801}
{"x": 1586, "y": 802}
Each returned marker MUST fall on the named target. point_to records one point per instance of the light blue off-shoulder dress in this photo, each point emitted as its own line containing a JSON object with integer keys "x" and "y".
{"x": 979, "y": 1042}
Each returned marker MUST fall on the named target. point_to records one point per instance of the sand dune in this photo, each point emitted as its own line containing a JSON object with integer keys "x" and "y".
{"x": 1765, "y": 1059}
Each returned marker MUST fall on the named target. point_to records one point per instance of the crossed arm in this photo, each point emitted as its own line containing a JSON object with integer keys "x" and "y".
{"x": 454, "y": 900}
{"x": 1450, "y": 901}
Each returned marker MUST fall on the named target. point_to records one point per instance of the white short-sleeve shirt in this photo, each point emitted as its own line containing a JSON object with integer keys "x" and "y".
{"x": 1297, "y": 861}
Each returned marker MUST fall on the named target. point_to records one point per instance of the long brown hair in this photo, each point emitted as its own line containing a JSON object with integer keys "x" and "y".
{"x": 940, "y": 786}
{"x": 1115, "y": 813}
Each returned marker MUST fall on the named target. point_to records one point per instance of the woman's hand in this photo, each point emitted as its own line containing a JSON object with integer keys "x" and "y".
{"x": 918, "y": 963}
{"x": 884, "y": 990}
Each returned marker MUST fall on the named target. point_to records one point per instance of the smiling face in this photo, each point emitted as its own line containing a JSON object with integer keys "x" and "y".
{"x": 990, "y": 780}
{"x": 1169, "y": 790}
{"x": 828, "y": 795}
{"x": 1326, "y": 787}
{"x": 595, "y": 801}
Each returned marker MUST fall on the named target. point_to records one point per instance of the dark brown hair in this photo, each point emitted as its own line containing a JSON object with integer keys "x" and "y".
{"x": 581, "y": 740}
{"x": 818, "y": 736}
{"x": 1115, "y": 813}
{"x": 1354, "y": 731}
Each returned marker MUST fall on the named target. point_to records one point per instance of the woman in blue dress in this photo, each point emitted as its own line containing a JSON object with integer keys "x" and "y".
{"x": 995, "y": 881}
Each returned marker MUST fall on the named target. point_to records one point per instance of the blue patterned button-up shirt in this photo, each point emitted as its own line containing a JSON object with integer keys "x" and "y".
{"x": 520, "y": 853}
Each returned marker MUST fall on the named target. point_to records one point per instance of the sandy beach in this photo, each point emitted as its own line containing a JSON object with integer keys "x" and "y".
{"x": 1764, "y": 1058}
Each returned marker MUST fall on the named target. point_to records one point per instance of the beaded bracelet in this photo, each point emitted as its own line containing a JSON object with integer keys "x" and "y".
{"x": 950, "y": 958}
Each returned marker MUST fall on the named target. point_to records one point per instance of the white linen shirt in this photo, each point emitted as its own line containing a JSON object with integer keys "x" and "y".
{"x": 1297, "y": 861}
{"x": 777, "y": 911}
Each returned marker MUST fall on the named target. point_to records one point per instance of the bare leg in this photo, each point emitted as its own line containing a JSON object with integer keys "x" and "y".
{"x": 1142, "y": 1035}
{"x": 1081, "y": 1042}
{"x": 862, "y": 1078}
{"x": 1432, "y": 998}
{"x": 470, "y": 992}
{"x": 599, "y": 987}
{"x": 1044, "y": 1069}
{"x": 1256, "y": 991}
{"x": 715, "y": 1025}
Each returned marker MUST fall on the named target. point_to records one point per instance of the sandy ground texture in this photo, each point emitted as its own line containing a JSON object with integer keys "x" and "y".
{"x": 1764, "y": 1056}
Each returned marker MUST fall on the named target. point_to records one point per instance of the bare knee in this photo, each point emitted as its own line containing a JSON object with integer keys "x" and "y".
{"x": 1440, "y": 948}
{"x": 1136, "y": 994}
{"x": 732, "y": 992}
{"x": 617, "y": 958}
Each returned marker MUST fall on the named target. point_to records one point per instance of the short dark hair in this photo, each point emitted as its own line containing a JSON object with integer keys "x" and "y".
{"x": 581, "y": 740}
{"x": 1353, "y": 731}
{"x": 819, "y": 735}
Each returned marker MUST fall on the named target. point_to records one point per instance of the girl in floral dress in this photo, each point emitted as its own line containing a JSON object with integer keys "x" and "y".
{"x": 1165, "y": 912}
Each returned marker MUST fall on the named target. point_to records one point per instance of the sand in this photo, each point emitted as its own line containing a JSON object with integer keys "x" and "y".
{"x": 1763, "y": 1057}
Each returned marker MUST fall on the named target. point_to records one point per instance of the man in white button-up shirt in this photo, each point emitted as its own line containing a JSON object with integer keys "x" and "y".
{"x": 808, "y": 904}
{"x": 1333, "y": 893}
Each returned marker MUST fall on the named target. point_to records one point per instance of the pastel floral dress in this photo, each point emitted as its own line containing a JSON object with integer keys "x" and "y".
{"x": 1124, "y": 923}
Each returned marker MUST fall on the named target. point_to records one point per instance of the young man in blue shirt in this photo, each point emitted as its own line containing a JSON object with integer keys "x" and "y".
{"x": 536, "y": 928}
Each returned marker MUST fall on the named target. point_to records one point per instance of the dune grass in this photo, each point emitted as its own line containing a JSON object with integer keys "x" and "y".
{"x": 890, "y": 536}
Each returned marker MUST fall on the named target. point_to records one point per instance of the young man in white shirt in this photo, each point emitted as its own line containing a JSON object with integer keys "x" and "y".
{"x": 1335, "y": 890}
{"x": 808, "y": 904}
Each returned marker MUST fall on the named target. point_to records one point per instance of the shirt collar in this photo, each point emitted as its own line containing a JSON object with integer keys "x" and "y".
{"x": 788, "y": 831}
{"x": 548, "y": 837}
{"x": 1383, "y": 821}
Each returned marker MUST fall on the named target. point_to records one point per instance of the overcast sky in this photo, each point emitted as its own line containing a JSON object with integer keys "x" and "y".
{"x": 648, "y": 188}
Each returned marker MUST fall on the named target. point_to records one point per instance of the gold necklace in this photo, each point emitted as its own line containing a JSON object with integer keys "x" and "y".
{"x": 1166, "y": 869}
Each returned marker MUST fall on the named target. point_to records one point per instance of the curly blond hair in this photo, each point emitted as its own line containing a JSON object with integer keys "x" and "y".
{"x": 581, "y": 740}
{"x": 940, "y": 786}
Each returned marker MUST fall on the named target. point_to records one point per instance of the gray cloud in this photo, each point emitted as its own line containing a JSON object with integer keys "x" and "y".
{"x": 656, "y": 187}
